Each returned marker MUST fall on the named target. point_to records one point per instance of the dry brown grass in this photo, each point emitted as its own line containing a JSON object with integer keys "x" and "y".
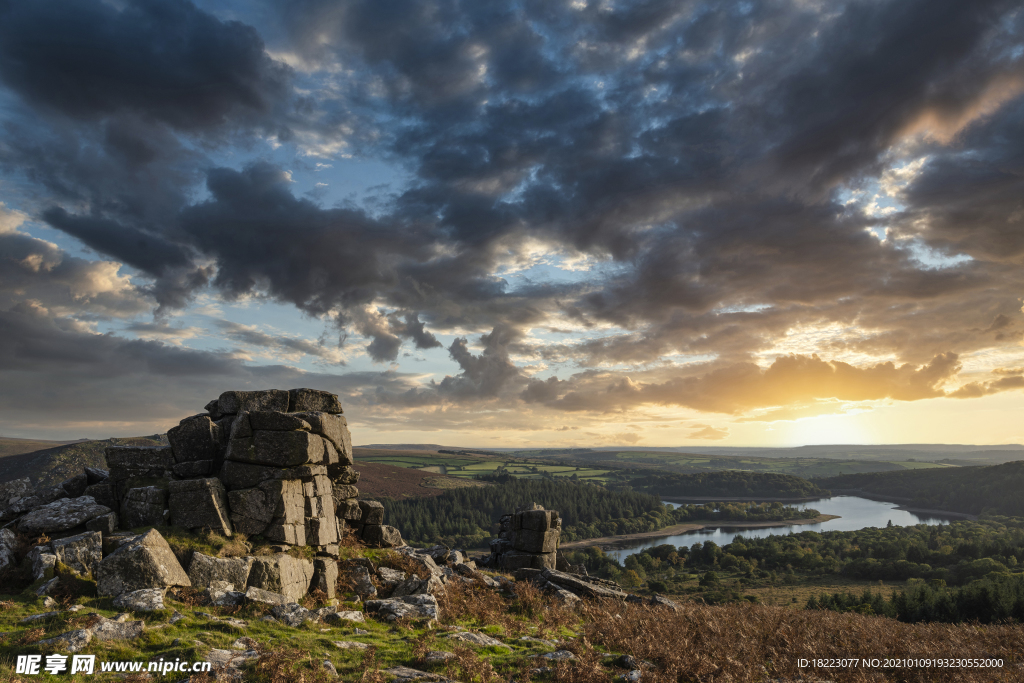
{"x": 284, "y": 665}
{"x": 32, "y": 635}
{"x": 468, "y": 667}
{"x": 371, "y": 667}
{"x": 314, "y": 599}
{"x": 188, "y": 596}
{"x": 528, "y": 608}
{"x": 757, "y": 643}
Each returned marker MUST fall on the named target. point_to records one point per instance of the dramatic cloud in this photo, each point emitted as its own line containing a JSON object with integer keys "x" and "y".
{"x": 558, "y": 210}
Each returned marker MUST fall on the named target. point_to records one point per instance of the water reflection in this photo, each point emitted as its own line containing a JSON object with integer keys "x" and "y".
{"x": 854, "y": 513}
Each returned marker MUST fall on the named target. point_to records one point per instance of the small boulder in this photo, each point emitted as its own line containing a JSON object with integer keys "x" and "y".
{"x": 113, "y": 629}
{"x": 105, "y": 524}
{"x": 205, "y": 570}
{"x": 72, "y": 641}
{"x": 282, "y": 573}
{"x": 143, "y": 600}
{"x": 264, "y": 597}
{"x": 303, "y": 400}
{"x": 412, "y": 606}
{"x": 145, "y": 561}
{"x": 83, "y": 552}
{"x": 75, "y": 486}
{"x": 8, "y": 548}
{"x": 291, "y": 613}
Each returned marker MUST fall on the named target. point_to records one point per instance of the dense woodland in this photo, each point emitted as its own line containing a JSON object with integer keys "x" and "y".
{"x": 974, "y": 490}
{"x": 468, "y": 517}
{"x": 728, "y": 483}
{"x": 990, "y": 600}
{"x": 939, "y": 559}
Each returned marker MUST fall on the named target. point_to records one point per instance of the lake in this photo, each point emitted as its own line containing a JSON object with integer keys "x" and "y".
{"x": 854, "y": 513}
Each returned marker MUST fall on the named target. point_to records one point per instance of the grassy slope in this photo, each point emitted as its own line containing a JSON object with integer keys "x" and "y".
{"x": 51, "y": 466}
{"x": 736, "y": 642}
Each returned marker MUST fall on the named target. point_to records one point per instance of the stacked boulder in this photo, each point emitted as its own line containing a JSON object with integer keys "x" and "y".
{"x": 527, "y": 538}
{"x": 271, "y": 464}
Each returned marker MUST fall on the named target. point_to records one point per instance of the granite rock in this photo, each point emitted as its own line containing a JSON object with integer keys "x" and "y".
{"x": 61, "y": 515}
{"x": 145, "y": 561}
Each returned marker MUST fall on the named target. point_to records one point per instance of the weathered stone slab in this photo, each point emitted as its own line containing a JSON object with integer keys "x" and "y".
{"x": 265, "y": 597}
{"x": 146, "y": 561}
{"x": 139, "y": 458}
{"x": 96, "y": 475}
{"x": 282, "y": 573}
{"x": 8, "y": 549}
{"x": 75, "y": 486}
{"x": 11, "y": 491}
{"x": 292, "y": 534}
{"x": 199, "y": 504}
{"x": 349, "y": 510}
{"x": 195, "y": 468}
{"x": 285, "y": 449}
{"x": 382, "y": 536}
{"x": 518, "y": 559}
{"x": 103, "y": 494}
{"x": 242, "y": 475}
{"x": 143, "y": 506}
{"x": 205, "y": 570}
{"x": 373, "y": 512}
{"x": 325, "y": 575}
{"x": 234, "y": 402}
{"x": 277, "y": 422}
{"x": 82, "y": 553}
{"x": 291, "y": 613}
{"x": 303, "y": 400}
{"x": 578, "y": 585}
{"x": 105, "y": 524}
{"x": 240, "y": 428}
{"x": 334, "y": 428}
{"x": 411, "y": 606}
{"x": 61, "y": 515}
{"x": 142, "y": 600}
{"x": 223, "y": 594}
{"x": 195, "y": 438}
{"x": 72, "y": 641}
{"x": 532, "y": 541}
{"x": 250, "y": 510}
{"x": 112, "y": 629}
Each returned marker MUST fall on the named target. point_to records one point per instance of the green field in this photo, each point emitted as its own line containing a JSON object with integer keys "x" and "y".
{"x": 694, "y": 462}
{"x": 469, "y": 467}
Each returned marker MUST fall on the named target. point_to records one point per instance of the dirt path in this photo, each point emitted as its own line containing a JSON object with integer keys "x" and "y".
{"x": 676, "y": 529}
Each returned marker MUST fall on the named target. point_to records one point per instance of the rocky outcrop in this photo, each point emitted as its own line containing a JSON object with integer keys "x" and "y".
{"x": 276, "y": 465}
{"x": 526, "y": 539}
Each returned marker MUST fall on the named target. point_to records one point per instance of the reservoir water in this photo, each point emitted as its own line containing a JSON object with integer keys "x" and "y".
{"x": 854, "y": 513}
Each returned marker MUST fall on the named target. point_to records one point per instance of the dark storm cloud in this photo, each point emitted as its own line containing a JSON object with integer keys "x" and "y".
{"x": 163, "y": 60}
{"x": 702, "y": 153}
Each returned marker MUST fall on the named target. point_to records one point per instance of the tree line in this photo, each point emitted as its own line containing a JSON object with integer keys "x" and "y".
{"x": 468, "y": 517}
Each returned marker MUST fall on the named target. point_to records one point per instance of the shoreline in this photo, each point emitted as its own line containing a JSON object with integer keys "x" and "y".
{"x": 614, "y": 541}
{"x": 903, "y": 504}
{"x": 734, "y": 499}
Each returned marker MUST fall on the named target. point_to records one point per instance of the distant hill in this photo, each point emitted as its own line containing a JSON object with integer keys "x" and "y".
{"x": 9, "y": 446}
{"x": 405, "y": 446}
{"x": 961, "y": 453}
{"x": 51, "y": 466}
{"x": 996, "y": 488}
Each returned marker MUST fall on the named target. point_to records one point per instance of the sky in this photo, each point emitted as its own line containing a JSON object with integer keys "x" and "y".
{"x": 536, "y": 223}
